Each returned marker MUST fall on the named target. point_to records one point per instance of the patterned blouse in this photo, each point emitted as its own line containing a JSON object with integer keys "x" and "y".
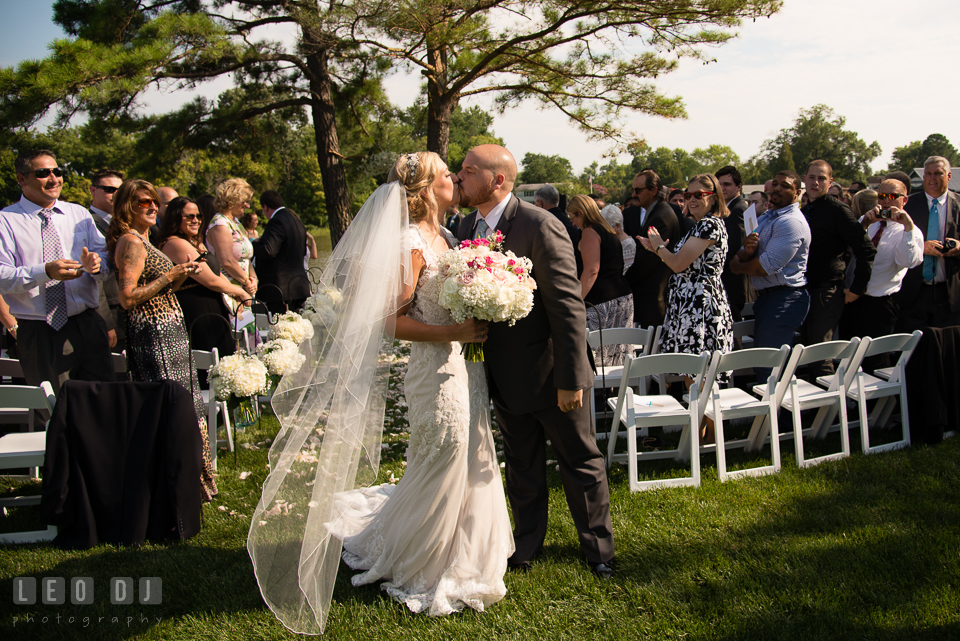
{"x": 242, "y": 247}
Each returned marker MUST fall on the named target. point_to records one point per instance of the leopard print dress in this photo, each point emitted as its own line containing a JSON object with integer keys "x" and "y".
{"x": 158, "y": 348}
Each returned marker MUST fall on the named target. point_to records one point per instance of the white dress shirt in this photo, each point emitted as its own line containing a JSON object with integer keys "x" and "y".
{"x": 493, "y": 216}
{"x": 22, "y": 268}
{"x": 898, "y": 251}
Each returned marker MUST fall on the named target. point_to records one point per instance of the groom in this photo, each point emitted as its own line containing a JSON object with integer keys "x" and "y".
{"x": 537, "y": 370}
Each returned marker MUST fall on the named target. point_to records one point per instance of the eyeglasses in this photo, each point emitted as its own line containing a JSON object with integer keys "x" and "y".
{"x": 146, "y": 203}
{"x": 699, "y": 195}
{"x": 191, "y": 217}
{"x": 889, "y": 196}
{"x": 46, "y": 171}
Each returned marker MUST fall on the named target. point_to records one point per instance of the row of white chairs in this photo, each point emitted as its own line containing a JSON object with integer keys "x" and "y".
{"x": 637, "y": 412}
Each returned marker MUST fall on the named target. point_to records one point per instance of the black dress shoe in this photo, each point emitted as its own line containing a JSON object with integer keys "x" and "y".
{"x": 521, "y": 567}
{"x": 603, "y": 570}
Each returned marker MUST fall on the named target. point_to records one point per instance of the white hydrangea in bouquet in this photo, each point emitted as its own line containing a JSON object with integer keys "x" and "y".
{"x": 321, "y": 308}
{"x": 280, "y": 357}
{"x": 480, "y": 280}
{"x": 292, "y": 327}
{"x": 238, "y": 377}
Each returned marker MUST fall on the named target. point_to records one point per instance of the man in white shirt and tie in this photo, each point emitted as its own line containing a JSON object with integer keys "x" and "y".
{"x": 930, "y": 293}
{"x": 51, "y": 257}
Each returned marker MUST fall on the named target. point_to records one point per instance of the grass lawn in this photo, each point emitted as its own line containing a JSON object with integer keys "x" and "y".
{"x": 864, "y": 548}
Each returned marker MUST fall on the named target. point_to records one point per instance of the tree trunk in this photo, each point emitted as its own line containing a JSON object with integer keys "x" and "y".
{"x": 332, "y": 173}
{"x": 440, "y": 104}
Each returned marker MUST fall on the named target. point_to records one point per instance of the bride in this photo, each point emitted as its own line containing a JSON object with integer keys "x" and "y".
{"x": 439, "y": 540}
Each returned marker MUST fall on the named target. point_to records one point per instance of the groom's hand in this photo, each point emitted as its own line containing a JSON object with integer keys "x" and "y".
{"x": 569, "y": 400}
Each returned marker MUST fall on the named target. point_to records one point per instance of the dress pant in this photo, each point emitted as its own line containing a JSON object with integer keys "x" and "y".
{"x": 79, "y": 350}
{"x": 931, "y": 308}
{"x": 778, "y": 312}
{"x": 872, "y": 316}
{"x": 826, "y": 308}
{"x": 582, "y": 471}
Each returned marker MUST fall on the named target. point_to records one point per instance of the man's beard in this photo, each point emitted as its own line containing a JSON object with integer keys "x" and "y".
{"x": 472, "y": 200}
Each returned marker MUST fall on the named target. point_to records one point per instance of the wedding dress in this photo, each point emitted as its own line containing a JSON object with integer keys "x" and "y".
{"x": 441, "y": 537}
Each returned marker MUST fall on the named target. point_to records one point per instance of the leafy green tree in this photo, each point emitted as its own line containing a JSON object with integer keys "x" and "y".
{"x": 911, "y": 156}
{"x": 783, "y": 161}
{"x": 711, "y": 158}
{"x": 820, "y": 134}
{"x": 569, "y": 56}
{"x": 540, "y": 168}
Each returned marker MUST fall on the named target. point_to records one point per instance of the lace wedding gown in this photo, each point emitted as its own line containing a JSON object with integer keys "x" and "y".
{"x": 441, "y": 537}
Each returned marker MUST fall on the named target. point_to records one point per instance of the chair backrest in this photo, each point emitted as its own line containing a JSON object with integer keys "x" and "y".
{"x": 39, "y": 397}
{"x": 742, "y": 359}
{"x": 205, "y": 360}
{"x": 10, "y": 367}
{"x": 691, "y": 365}
{"x": 903, "y": 343}
{"x": 743, "y": 328}
{"x": 804, "y": 354}
{"x": 263, "y": 321}
{"x": 636, "y": 336}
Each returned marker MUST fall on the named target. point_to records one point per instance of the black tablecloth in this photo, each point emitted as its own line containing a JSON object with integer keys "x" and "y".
{"x": 123, "y": 464}
{"x": 933, "y": 385}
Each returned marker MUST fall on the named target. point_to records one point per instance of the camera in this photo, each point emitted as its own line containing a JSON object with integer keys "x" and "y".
{"x": 948, "y": 244}
{"x": 884, "y": 214}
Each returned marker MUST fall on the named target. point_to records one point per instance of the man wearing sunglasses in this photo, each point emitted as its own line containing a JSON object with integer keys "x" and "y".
{"x": 104, "y": 185}
{"x": 833, "y": 229}
{"x": 648, "y": 275}
{"x": 51, "y": 258}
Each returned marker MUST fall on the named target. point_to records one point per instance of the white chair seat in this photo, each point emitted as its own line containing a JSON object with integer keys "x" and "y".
{"x": 884, "y": 372}
{"x": 807, "y": 391}
{"x": 23, "y": 449}
{"x": 657, "y": 406}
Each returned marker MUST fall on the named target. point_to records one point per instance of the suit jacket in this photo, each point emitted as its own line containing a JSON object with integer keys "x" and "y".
{"x": 279, "y": 256}
{"x": 735, "y": 284}
{"x": 109, "y": 292}
{"x": 547, "y": 350}
{"x": 574, "y": 234}
{"x": 648, "y": 275}
{"x": 917, "y": 208}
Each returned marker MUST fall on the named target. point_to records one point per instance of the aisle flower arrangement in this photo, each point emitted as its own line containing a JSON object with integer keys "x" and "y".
{"x": 479, "y": 279}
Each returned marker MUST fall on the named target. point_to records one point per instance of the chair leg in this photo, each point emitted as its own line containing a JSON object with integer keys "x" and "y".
{"x": 718, "y": 438}
{"x": 864, "y": 419}
{"x": 632, "y": 474}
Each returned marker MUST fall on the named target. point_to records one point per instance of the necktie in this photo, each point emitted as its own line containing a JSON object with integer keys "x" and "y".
{"x": 482, "y": 228}
{"x": 876, "y": 237}
{"x": 933, "y": 233}
{"x": 55, "y": 290}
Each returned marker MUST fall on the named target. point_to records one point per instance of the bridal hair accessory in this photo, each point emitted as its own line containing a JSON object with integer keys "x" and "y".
{"x": 413, "y": 163}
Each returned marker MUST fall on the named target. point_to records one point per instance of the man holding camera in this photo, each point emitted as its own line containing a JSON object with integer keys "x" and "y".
{"x": 930, "y": 294}
{"x": 899, "y": 246}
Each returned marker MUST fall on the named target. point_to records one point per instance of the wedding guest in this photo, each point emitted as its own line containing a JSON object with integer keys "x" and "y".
{"x": 602, "y": 284}
{"x": 279, "y": 254}
{"x": 51, "y": 259}
{"x": 614, "y": 217}
{"x": 202, "y": 293}
{"x": 208, "y": 209}
{"x": 698, "y": 316}
{"x": 227, "y": 238}
{"x": 676, "y": 197}
{"x": 250, "y": 220}
{"x": 157, "y": 344}
{"x": 104, "y": 185}
{"x": 547, "y": 197}
{"x": 736, "y": 285}
{"x": 760, "y": 201}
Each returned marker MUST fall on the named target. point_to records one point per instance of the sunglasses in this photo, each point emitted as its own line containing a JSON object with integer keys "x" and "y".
{"x": 192, "y": 217}
{"x": 46, "y": 171}
{"x": 637, "y": 190}
{"x": 107, "y": 189}
{"x": 146, "y": 203}
{"x": 699, "y": 195}
{"x": 889, "y": 196}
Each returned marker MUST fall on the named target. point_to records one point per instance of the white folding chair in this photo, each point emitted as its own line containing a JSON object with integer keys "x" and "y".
{"x": 24, "y": 401}
{"x": 863, "y": 387}
{"x": 205, "y": 361}
{"x": 641, "y": 411}
{"x": 796, "y": 395}
{"x": 10, "y": 368}
{"x": 608, "y": 376}
{"x": 733, "y": 403}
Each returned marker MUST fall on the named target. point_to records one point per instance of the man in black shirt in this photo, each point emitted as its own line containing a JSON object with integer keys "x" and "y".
{"x": 833, "y": 229}
{"x": 736, "y": 285}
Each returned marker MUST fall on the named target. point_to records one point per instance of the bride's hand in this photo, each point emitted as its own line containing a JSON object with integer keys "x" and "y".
{"x": 470, "y": 331}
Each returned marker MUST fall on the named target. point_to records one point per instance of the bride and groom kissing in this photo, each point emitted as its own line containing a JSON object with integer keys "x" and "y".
{"x": 440, "y": 539}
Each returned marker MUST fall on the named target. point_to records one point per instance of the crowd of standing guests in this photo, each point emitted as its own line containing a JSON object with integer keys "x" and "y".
{"x": 143, "y": 271}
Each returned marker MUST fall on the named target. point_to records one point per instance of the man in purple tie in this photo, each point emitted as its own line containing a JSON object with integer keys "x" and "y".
{"x": 930, "y": 293}
{"x": 51, "y": 257}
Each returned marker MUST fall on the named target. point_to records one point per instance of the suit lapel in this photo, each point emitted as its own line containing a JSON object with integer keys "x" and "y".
{"x": 465, "y": 229}
{"x": 509, "y": 213}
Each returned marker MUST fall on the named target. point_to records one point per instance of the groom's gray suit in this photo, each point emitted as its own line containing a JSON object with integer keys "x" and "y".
{"x": 526, "y": 364}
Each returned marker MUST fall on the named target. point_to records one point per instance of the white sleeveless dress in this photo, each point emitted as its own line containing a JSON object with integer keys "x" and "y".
{"x": 441, "y": 537}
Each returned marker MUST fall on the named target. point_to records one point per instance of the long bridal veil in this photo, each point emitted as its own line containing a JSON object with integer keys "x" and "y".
{"x": 331, "y": 416}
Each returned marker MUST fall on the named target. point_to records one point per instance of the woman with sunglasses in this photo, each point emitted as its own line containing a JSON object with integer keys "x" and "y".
{"x": 157, "y": 345}
{"x": 698, "y": 315}
{"x": 181, "y": 239}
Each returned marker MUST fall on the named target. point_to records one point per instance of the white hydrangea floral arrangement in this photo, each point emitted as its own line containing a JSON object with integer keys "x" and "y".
{"x": 239, "y": 376}
{"x": 292, "y": 327}
{"x": 480, "y": 280}
{"x": 280, "y": 356}
{"x": 321, "y": 308}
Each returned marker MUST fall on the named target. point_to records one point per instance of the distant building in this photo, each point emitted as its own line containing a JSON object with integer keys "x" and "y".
{"x": 528, "y": 192}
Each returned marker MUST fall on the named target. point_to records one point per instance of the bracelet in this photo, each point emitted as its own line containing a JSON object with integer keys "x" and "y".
{"x": 657, "y": 250}
{"x": 10, "y": 329}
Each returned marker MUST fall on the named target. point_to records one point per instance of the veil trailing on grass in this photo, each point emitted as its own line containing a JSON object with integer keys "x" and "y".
{"x": 331, "y": 416}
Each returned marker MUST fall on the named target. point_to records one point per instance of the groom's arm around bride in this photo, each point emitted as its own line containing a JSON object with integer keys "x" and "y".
{"x": 538, "y": 369}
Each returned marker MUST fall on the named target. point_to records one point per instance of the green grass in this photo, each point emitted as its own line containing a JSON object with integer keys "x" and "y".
{"x": 864, "y": 548}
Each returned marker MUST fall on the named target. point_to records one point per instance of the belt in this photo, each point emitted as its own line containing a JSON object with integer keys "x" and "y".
{"x": 776, "y": 288}
{"x": 944, "y": 283}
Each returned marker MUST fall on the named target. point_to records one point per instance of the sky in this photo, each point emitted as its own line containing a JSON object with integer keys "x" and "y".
{"x": 859, "y": 57}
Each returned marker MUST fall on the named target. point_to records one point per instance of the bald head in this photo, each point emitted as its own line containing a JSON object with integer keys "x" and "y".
{"x": 497, "y": 160}
{"x": 166, "y": 195}
{"x": 488, "y": 175}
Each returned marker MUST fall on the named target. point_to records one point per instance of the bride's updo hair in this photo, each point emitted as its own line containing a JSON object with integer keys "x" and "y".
{"x": 416, "y": 172}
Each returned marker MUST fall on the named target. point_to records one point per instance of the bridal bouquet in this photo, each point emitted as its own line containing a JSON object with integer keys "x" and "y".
{"x": 480, "y": 280}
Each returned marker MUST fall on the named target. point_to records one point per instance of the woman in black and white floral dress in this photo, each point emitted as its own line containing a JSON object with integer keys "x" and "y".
{"x": 698, "y": 315}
